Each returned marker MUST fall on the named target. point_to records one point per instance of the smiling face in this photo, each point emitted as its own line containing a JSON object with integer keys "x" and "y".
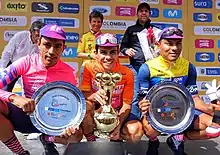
{"x": 107, "y": 57}
{"x": 96, "y": 24}
{"x": 170, "y": 49}
{"x": 50, "y": 50}
{"x": 143, "y": 15}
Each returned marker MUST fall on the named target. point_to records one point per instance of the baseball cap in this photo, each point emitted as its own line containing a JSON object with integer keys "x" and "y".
{"x": 36, "y": 25}
{"x": 170, "y": 33}
{"x": 53, "y": 31}
{"x": 107, "y": 39}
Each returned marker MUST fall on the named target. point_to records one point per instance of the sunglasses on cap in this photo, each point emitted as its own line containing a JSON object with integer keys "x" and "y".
{"x": 171, "y": 31}
{"x": 107, "y": 38}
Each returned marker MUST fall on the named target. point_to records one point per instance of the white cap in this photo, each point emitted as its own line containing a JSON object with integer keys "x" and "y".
{"x": 213, "y": 91}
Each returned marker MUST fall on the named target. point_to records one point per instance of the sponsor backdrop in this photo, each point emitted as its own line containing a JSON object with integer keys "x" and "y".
{"x": 198, "y": 18}
{"x": 203, "y": 26}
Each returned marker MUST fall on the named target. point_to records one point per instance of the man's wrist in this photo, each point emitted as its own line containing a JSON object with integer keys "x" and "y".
{"x": 209, "y": 109}
{"x": 89, "y": 56}
{"x": 11, "y": 97}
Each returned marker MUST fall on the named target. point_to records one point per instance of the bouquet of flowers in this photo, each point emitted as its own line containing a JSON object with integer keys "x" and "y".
{"x": 152, "y": 42}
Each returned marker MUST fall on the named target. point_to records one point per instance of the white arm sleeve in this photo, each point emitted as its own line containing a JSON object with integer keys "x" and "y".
{"x": 9, "y": 50}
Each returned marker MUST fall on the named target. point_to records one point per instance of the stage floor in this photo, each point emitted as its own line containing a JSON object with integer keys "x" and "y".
{"x": 211, "y": 147}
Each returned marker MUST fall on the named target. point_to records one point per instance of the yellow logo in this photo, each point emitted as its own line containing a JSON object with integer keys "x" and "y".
{"x": 218, "y": 17}
{"x": 16, "y": 6}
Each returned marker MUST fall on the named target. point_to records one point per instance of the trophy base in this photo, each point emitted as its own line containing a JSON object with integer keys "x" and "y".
{"x": 103, "y": 135}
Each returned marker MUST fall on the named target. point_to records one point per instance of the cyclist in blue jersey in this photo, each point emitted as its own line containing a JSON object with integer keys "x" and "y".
{"x": 170, "y": 66}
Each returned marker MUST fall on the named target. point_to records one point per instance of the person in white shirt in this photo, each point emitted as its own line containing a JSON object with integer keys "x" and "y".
{"x": 21, "y": 44}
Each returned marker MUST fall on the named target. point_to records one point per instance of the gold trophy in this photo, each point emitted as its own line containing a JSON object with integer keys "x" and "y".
{"x": 106, "y": 120}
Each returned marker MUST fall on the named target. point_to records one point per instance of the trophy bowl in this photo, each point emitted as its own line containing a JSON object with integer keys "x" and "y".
{"x": 106, "y": 121}
{"x": 172, "y": 107}
{"x": 58, "y": 105}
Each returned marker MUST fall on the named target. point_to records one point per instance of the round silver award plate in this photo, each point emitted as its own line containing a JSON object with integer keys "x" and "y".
{"x": 172, "y": 107}
{"x": 58, "y": 105}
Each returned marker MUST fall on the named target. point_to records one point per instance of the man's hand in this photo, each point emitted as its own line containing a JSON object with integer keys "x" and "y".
{"x": 212, "y": 107}
{"x": 144, "y": 106}
{"x": 116, "y": 134}
{"x": 130, "y": 52}
{"x": 26, "y": 104}
{"x": 100, "y": 96}
{"x": 93, "y": 55}
{"x": 69, "y": 132}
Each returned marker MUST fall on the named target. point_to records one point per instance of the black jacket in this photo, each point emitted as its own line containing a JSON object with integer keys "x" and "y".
{"x": 130, "y": 40}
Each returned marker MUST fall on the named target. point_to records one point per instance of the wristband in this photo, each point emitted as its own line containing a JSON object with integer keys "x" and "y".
{"x": 89, "y": 56}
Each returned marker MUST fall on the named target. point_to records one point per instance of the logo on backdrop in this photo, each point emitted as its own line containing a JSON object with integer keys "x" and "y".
{"x": 172, "y": 2}
{"x": 42, "y": 7}
{"x": 205, "y": 57}
{"x": 154, "y": 12}
{"x": 105, "y": 10}
{"x": 16, "y": 6}
{"x": 125, "y": 11}
{"x": 204, "y": 43}
{"x": 172, "y": 13}
{"x": 202, "y": 3}
{"x": 117, "y": 24}
{"x": 64, "y": 22}
{"x": 13, "y": 21}
{"x": 68, "y": 8}
{"x": 202, "y": 17}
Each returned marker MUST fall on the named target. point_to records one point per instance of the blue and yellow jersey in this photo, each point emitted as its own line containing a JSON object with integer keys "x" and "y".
{"x": 157, "y": 70}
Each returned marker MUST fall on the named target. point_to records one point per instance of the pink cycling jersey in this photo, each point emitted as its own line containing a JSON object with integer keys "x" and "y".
{"x": 34, "y": 75}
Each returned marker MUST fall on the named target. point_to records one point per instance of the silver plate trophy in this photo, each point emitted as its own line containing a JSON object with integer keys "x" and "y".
{"x": 106, "y": 120}
{"x": 58, "y": 105}
{"x": 172, "y": 107}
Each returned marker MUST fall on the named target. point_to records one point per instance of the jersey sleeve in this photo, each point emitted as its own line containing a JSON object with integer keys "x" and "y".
{"x": 128, "y": 92}
{"x": 144, "y": 79}
{"x": 191, "y": 81}
{"x": 18, "y": 68}
{"x": 86, "y": 79}
{"x": 81, "y": 45}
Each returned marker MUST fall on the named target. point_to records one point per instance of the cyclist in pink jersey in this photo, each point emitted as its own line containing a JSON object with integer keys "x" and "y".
{"x": 35, "y": 70}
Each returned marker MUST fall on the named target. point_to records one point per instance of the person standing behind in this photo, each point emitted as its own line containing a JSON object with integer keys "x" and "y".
{"x": 86, "y": 46}
{"x": 130, "y": 45}
{"x": 20, "y": 45}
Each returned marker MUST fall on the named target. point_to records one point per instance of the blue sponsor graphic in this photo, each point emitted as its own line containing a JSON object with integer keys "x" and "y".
{"x": 202, "y": 3}
{"x": 218, "y": 43}
{"x": 100, "y": 9}
{"x": 60, "y": 22}
{"x": 172, "y": 13}
{"x": 202, "y": 17}
{"x": 205, "y": 57}
{"x": 212, "y": 71}
{"x": 164, "y": 25}
{"x": 219, "y": 57}
{"x": 119, "y": 37}
{"x": 154, "y": 12}
{"x": 70, "y": 52}
{"x": 72, "y": 37}
{"x": 68, "y": 8}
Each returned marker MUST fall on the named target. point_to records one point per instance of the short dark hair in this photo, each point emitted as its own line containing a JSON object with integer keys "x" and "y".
{"x": 95, "y": 14}
{"x": 50, "y": 39}
{"x": 36, "y": 25}
{"x": 143, "y": 5}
